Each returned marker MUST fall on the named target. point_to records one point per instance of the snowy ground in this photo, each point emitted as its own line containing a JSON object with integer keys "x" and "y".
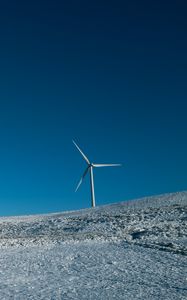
{"x": 130, "y": 250}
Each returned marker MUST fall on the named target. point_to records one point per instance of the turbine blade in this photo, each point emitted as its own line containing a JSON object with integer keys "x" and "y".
{"x": 106, "y": 165}
{"x": 84, "y": 156}
{"x": 84, "y": 174}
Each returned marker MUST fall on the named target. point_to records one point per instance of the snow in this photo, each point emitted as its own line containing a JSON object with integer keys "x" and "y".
{"x": 130, "y": 250}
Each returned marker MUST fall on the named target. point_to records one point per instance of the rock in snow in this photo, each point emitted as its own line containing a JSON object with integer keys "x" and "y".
{"x": 130, "y": 250}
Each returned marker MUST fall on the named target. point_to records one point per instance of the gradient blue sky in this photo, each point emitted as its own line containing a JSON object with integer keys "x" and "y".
{"x": 110, "y": 74}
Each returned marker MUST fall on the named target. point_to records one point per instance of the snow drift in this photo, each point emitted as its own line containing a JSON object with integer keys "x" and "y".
{"x": 130, "y": 250}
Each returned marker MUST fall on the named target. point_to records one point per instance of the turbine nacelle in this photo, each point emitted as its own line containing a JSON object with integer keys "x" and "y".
{"x": 90, "y": 169}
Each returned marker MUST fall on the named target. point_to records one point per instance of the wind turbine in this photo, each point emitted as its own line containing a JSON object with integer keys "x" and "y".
{"x": 89, "y": 168}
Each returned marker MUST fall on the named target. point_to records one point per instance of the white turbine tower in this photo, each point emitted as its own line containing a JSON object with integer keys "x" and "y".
{"x": 89, "y": 168}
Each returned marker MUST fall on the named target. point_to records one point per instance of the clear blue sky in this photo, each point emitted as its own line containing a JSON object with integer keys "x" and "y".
{"x": 110, "y": 74}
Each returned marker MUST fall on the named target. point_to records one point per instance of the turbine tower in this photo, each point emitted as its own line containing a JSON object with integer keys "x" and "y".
{"x": 89, "y": 168}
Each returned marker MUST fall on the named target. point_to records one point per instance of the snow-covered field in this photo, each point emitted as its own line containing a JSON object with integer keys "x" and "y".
{"x": 130, "y": 250}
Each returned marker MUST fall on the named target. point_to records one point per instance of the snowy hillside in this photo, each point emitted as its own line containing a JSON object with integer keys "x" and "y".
{"x": 129, "y": 250}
